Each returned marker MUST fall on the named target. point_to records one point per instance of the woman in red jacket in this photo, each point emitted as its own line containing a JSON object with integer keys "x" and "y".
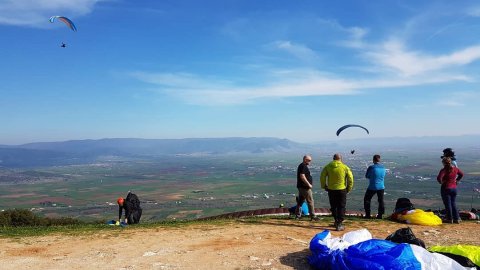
{"x": 448, "y": 177}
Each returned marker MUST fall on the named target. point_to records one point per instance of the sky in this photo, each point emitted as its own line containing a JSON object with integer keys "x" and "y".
{"x": 238, "y": 68}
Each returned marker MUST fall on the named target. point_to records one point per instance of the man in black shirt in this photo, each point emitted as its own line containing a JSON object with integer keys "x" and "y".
{"x": 304, "y": 185}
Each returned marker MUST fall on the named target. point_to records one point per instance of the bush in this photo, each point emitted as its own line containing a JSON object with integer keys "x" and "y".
{"x": 24, "y": 217}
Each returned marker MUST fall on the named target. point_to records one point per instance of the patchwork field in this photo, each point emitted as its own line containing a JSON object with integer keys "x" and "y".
{"x": 183, "y": 187}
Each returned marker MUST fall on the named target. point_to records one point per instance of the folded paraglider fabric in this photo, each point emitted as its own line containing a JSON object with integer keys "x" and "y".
{"x": 469, "y": 251}
{"x": 357, "y": 250}
{"x": 419, "y": 217}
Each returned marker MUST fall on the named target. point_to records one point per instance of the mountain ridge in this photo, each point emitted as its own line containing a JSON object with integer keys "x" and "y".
{"x": 89, "y": 150}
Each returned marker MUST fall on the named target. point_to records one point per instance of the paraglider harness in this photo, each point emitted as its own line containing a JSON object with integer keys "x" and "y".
{"x": 133, "y": 211}
{"x": 403, "y": 204}
{"x": 405, "y": 235}
{"x": 401, "y": 207}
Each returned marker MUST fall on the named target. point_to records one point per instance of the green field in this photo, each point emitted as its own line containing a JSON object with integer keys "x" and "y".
{"x": 184, "y": 187}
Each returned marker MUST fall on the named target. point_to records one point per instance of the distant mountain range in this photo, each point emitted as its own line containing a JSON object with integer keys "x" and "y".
{"x": 87, "y": 151}
{"x": 84, "y": 151}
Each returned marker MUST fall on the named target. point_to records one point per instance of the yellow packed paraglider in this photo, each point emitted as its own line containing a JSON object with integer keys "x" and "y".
{"x": 419, "y": 217}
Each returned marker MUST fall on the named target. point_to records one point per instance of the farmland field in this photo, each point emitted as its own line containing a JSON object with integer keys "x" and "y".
{"x": 187, "y": 187}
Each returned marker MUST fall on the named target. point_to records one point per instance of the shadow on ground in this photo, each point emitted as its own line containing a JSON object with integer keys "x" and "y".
{"x": 297, "y": 260}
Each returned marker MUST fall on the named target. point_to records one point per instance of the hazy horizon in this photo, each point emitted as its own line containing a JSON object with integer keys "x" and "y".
{"x": 337, "y": 140}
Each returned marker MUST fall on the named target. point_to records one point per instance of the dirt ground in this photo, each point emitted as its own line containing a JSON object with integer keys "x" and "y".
{"x": 236, "y": 244}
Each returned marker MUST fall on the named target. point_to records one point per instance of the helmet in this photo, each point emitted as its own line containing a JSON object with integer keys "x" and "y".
{"x": 120, "y": 201}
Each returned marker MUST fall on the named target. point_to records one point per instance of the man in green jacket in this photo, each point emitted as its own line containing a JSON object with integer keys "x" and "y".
{"x": 337, "y": 179}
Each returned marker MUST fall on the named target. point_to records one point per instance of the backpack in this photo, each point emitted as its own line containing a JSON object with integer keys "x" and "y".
{"x": 403, "y": 204}
{"x": 405, "y": 235}
{"x": 133, "y": 198}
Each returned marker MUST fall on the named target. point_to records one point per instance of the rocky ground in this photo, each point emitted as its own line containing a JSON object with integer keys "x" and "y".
{"x": 236, "y": 244}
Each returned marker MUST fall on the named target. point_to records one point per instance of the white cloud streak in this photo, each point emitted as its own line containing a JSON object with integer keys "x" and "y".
{"x": 395, "y": 67}
{"x": 300, "y": 51}
{"x": 355, "y": 39}
{"x": 458, "y": 99}
{"x": 195, "y": 90}
{"x": 35, "y": 13}
{"x": 395, "y": 56}
{"x": 474, "y": 11}
{"x": 391, "y": 64}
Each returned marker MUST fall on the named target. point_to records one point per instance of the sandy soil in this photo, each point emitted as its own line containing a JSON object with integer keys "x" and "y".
{"x": 236, "y": 244}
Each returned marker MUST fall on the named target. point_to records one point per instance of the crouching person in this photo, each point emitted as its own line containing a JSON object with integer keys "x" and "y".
{"x": 132, "y": 208}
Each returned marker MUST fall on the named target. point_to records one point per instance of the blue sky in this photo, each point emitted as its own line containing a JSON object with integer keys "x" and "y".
{"x": 227, "y": 68}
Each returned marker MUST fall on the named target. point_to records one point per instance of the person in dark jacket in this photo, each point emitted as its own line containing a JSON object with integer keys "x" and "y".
{"x": 132, "y": 208}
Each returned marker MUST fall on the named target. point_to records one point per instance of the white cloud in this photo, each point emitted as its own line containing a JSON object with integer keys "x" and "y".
{"x": 356, "y": 37}
{"x": 458, "y": 99}
{"x": 391, "y": 64}
{"x": 298, "y": 50}
{"x": 450, "y": 103}
{"x": 395, "y": 56}
{"x": 473, "y": 12}
{"x": 36, "y": 12}
{"x": 296, "y": 83}
{"x": 198, "y": 90}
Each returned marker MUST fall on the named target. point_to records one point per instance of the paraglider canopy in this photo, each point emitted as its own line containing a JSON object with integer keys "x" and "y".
{"x": 66, "y": 20}
{"x": 348, "y": 126}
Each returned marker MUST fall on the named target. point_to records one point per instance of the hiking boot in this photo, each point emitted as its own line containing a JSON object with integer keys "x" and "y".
{"x": 340, "y": 227}
{"x": 456, "y": 221}
{"x": 379, "y": 217}
{"x": 297, "y": 217}
{"x": 367, "y": 217}
{"x": 314, "y": 218}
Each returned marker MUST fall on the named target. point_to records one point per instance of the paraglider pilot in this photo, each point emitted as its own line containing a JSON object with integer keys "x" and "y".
{"x": 133, "y": 211}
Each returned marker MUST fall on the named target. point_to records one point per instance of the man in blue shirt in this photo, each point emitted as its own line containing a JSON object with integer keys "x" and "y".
{"x": 376, "y": 176}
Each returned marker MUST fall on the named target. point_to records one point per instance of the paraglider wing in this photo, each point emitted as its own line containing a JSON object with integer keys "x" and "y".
{"x": 348, "y": 126}
{"x": 66, "y": 20}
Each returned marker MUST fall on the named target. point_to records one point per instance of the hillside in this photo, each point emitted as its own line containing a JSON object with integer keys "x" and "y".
{"x": 266, "y": 243}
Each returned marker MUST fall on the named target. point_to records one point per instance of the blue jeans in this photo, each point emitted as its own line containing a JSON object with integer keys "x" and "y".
{"x": 448, "y": 198}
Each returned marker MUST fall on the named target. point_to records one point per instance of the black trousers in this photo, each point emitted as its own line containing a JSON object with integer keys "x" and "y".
{"x": 134, "y": 218}
{"x": 368, "y": 199}
{"x": 338, "y": 203}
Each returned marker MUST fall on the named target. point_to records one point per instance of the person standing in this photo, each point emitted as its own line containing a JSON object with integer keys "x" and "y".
{"x": 304, "y": 186}
{"x": 448, "y": 152}
{"x": 337, "y": 179}
{"x": 448, "y": 177}
{"x": 376, "y": 176}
